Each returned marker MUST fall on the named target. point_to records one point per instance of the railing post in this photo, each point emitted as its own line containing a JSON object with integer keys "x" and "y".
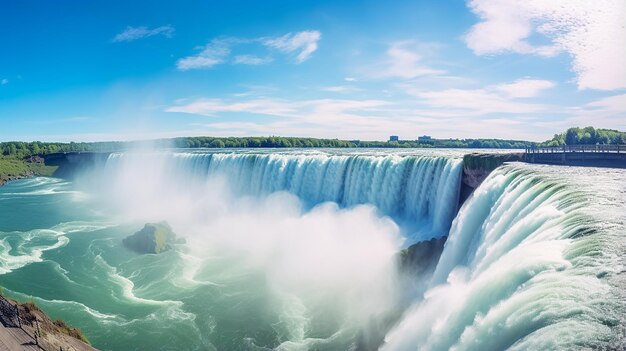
{"x": 17, "y": 313}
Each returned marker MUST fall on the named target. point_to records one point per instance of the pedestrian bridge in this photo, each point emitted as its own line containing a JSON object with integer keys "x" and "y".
{"x": 579, "y": 155}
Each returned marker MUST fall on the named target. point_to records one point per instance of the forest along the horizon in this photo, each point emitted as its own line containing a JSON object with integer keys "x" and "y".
{"x": 314, "y": 249}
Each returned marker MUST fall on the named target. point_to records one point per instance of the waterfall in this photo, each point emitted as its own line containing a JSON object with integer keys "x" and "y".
{"x": 522, "y": 269}
{"x": 415, "y": 189}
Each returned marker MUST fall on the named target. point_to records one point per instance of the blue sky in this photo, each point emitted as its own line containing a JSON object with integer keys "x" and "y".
{"x": 113, "y": 70}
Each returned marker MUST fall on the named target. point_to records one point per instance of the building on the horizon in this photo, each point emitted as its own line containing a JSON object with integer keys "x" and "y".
{"x": 424, "y": 138}
{"x": 393, "y": 138}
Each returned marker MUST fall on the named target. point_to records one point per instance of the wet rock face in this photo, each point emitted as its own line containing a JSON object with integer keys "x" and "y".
{"x": 422, "y": 257}
{"x": 154, "y": 238}
{"x": 477, "y": 167}
{"x": 474, "y": 177}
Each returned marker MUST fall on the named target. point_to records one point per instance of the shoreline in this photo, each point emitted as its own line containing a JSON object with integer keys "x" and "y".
{"x": 12, "y": 168}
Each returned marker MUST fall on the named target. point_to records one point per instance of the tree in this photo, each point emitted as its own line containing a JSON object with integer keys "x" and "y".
{"x": 571, "y": 136}
{"x": 218, "y": 143}
{"x": 35, "y": 149}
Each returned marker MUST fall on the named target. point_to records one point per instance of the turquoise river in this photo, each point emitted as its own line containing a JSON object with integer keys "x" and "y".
{"x": 298, "y": 250}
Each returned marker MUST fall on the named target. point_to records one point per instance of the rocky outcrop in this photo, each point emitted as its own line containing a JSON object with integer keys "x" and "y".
{"x": 10, "y": 177}
{"x": 70, "y": 164}
{"x": 36, "y": 159}
{"x": 154, "y": 238}
{"x": 422, "y": 257}
{"x": 476, "y": 168}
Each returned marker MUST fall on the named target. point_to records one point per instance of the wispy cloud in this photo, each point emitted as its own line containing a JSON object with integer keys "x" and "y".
{"x": 291, "y": 117}
{"x": 303, "y": 43}
{"x": 135, "y": 33}
{"x": 214, "y": 53}
{"x": 476, "y": 101}
{"x": 369, "y": 119}
{"x": 218, "y": 51}
{"x": 212, "y": 107}
{"x": 525, "y": 88}
{"x": 404, "y": 60}
{"x": 341, "y": 89}
{"x": 592, "y": 32}
{"x": 251, "y": 60}
{"x": 615, "y": 103}
{"x": 607, "y": 112}
{"x": 498, "y": 98}
{"x": 4, "y": 81}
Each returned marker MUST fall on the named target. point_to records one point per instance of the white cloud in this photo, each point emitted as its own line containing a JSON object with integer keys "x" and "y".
{"x": 476, "y": 101}
{"x": 319, "y": 108}
{"x": 4, "y": 81}
{"x": 218, "y": 51}
{"x": 404, "y": 60}
{"x": 507, "y": 110}
{"x": 592, "y": 32}
{"x": 341, "y": 89}
{"x": 606, "y": 112}
{"x": 367, "y": 119}
{"x": 499, "y": 98}
{"x": 525, "y": 88}
{"x": 616, "y": 103}
{"x": 314, "y": 117}
{"x": 214, "y": 53}
{"x": 305, "y": 43}
{"x": 212, "y": 107}
{"x": 251, "y": 60}
{"x": 134, "y": 33}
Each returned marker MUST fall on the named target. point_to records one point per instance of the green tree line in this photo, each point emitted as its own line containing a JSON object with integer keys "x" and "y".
{"x": 279, "y": 142}
{"x": 24, "y": 149}
{"x": 587, "y": 136}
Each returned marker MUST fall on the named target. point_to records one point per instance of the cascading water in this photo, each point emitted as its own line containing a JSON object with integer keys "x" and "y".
{"x": 419, "y": 191}
{"x": 525, "y": 268}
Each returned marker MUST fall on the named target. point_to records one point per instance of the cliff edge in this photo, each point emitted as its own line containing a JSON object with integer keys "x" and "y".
{"x": 24, "y": 326}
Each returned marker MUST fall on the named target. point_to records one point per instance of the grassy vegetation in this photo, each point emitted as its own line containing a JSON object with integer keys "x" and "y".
{"x": 29, "y": 313}
{"x": 12, "y": 167}
{"x": 73, "y": 332}
{"x": 489, "y": 162}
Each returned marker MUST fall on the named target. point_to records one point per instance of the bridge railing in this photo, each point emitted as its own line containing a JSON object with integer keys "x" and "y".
{"x": 9, "y": 314}
{"x": 577, "y": 148}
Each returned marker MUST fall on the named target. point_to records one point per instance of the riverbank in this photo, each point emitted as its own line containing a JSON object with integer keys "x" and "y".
{"x": 12, "y": 168}
{"x": 61, "y": 165}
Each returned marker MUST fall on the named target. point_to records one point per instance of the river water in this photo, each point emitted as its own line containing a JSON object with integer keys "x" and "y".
{"x": 297, "y": 250}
